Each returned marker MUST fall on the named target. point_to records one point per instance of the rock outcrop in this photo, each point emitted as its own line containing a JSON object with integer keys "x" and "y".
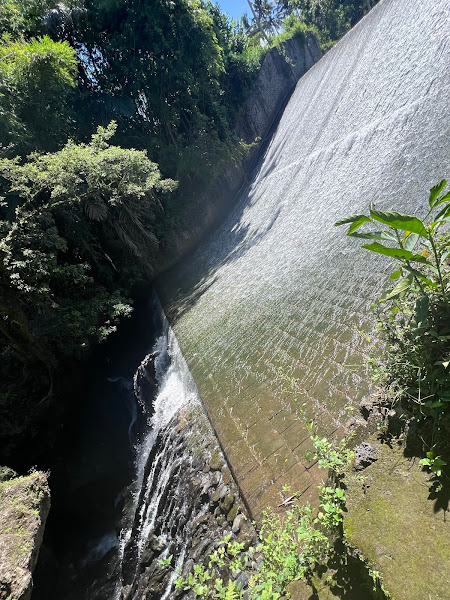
{"x": 281, "y": 69}
{"x": 199, "y": 506}
{"x": 24, "y": 506}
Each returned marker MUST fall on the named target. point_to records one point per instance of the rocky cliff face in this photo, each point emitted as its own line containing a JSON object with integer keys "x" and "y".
{"x": 24, "y": 506}
{"x": 198, "y": 506}
{"x": 281, "y": 69}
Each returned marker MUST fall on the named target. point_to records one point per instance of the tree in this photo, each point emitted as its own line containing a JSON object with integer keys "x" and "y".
{"x": 35, "y": 80}
{"x": 83, "y": 233}
{"x": 331, "y": 18}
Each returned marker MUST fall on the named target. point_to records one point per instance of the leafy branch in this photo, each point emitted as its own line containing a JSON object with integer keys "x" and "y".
{"x": 415, "y": 325}
{"x": 424, "y": 272}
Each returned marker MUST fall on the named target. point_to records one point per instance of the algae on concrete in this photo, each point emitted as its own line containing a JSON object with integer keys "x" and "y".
{"x": 401, "y": 530}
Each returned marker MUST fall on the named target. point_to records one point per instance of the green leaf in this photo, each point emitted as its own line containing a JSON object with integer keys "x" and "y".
{"x": 444, "y": 198}
{"x": 375, "y": 235}
{"x": 435, "y": 191}
{"x": 396, "y": 274}
{"x": 422, "y": 305}
{"x": 398, "y": 220}
{"x": 433, "y": 403}
{"x": 411, "y": 241}
{"x": 424, "y": 261}
{"x": 357, "y": 224}
{"x": 421, "y": 276}
{"x": 394, "y": 252}
{"x": 441, "y": 215}
{"x": 352, "y": 219}
{"x": 400, "y": 288}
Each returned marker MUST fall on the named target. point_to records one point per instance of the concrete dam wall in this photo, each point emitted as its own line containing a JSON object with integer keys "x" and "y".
{"x": 275, "y": 292}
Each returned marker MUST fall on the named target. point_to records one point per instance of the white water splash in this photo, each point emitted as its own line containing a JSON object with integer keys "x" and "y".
{"x": 176, "y": 572}
{"x": 176, "y": 389}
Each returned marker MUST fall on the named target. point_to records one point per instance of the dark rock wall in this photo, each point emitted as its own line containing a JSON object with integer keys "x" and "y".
{"x": 281, "y": 69}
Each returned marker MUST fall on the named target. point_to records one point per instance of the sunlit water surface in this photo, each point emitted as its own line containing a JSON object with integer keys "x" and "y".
{"x": 277, "y": 291}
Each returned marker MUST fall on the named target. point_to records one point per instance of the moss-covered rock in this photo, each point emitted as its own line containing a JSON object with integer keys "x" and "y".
{"x": 227, "y": 502}
{"x": 232, "y": 514}
{"x": 226, "y": 475}
{"x": 399, "y": 526}
{"x": 24, "y": 506}
{"x": 216, "y": 461}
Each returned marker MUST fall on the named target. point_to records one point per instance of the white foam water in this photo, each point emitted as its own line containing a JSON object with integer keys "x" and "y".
{"x": 176, "y": 389}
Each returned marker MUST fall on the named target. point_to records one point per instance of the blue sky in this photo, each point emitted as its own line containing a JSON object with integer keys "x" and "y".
{"x": 233, "y": 8}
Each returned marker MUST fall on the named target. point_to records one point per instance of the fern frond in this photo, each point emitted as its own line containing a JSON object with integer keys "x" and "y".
{"x": 95, "y": 209}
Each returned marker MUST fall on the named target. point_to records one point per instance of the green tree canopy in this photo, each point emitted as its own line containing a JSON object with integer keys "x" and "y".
{"x": 35, "y": 80}
{"x": 171, "y": 72}
{"x": 82, "y": 235}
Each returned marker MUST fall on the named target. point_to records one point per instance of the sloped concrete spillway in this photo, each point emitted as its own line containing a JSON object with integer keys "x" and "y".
{"x": 276, "y": 291}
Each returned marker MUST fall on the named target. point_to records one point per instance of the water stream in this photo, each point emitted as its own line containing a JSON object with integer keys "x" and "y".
{"x": 141, "y": 502}
{"x": 157, "y": 486}
{"x": 167, "y": 505}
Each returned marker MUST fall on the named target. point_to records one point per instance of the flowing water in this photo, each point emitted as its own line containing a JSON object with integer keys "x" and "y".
{"x": 276, "y": 291}
{"x": 152, "y": 515}
{"x": 174, "y": 501}
{"x": 158, "y": 462}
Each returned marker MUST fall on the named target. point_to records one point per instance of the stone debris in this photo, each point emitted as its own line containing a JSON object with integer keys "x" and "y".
{"x": 365, "y": 455}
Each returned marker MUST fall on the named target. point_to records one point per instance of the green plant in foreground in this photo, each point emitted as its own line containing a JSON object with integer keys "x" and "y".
{"x": 433, "y": 463}
{"x": 165, "y": 562}
{"x": 332, "y": 502}
{"x": 423, "y": 272}
{"x": 289, "y": 547}
{"x": 415, "y": 323}
{"x": 291, "y": 544}
{"x": 328, "y": 455}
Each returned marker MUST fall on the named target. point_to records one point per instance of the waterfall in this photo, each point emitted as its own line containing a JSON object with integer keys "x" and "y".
{"x": 183, "y": 499}
{"x": 157, "y": 458}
